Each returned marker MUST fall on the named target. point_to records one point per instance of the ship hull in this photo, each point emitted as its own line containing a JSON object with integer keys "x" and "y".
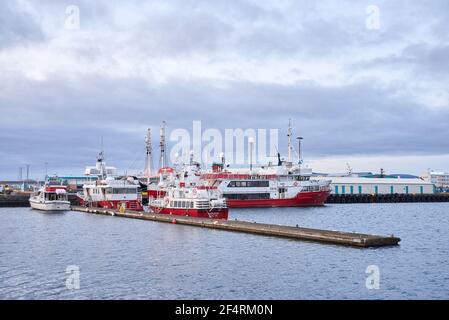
{"x": 303, "y": 199}
{"x": 219, "y": 213}
{"x": 50, "y": 206}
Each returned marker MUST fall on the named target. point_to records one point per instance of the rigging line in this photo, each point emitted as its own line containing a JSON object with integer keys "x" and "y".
{"x": 138, "y": 157}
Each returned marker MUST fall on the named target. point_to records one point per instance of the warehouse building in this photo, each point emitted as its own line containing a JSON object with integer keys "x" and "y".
{"x": 359, "y": 185}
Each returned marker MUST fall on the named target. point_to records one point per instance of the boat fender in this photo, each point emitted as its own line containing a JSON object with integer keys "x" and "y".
{"x": 174, "y": 221}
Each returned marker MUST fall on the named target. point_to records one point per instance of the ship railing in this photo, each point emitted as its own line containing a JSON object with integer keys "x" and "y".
{"x": 202, "y": 204}
{"x": 218, "y": 204}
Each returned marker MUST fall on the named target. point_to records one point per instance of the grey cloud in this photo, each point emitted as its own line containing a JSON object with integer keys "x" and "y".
{"x": 61, "y": 119}
{"x": 432, "y": 59}
{"x": 68, "y": 124}
{"x": 17, "y": 26}
{"x": 180, "y": 33}
{"x": 424, "y": 60}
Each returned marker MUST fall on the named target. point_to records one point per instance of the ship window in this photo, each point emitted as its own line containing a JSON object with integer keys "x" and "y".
{"x": 124, "y": 190}
{"x": 249, "y": 184}
{"x": 248, "y": 196}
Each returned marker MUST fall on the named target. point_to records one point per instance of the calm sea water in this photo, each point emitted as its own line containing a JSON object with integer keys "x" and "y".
{"x": 132, "y": 259}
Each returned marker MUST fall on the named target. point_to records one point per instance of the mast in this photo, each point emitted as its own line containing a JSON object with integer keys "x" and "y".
{"x": 289, "y": 135}
{"x": 149, "y": 160}
{"x": 299, "y": 151}
{"x": 163, "y": 157}
{"x": 100, "y": 162}
{"x": 192, "y": 154}
{"x": 100, "y": 165}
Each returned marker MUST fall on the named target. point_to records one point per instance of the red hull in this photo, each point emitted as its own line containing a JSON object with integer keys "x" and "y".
{"x": 196, "y": 213}
{"x": 151, "y": 193}
{"x": 303, "y": 199}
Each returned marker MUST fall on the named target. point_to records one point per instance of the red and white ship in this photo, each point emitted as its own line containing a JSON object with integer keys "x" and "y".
{"x": 199, "y": 202}
{"x": 282, "y": 185}
{"x": 111, "y": 193}
{"x": 271, "y": 186}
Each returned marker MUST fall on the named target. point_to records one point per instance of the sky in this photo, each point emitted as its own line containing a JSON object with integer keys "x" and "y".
{"x": 364, "y": 82}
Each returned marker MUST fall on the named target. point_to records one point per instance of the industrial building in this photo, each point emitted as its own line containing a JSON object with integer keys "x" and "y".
{"x": 360, "y": 185}
{"x": 439, "y": 179}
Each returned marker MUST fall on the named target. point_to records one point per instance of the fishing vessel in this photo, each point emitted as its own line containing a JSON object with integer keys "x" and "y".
{"x": 50, "y": 198}
{"x": 111, "y": 192}
{"x": 199, "y": 202}
{"x": 272, "y": 186}
{"x": 285, "y": 184}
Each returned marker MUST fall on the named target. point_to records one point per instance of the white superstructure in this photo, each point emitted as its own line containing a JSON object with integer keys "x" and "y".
{"x": 50, "y": 198}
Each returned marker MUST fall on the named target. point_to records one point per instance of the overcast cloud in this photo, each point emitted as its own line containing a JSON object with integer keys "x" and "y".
{"x": 372, "y": 97}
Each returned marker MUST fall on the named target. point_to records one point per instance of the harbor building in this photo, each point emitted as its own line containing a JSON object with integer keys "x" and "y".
{"x": 439, "y": 179}
{"x": 361, "y": 185}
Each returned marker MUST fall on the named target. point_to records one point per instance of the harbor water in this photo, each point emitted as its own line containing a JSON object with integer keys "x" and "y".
{"x": 132, "y": 259}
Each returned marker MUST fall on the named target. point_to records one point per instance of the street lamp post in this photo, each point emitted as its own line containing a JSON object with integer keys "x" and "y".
{"x": 251, "y": 144}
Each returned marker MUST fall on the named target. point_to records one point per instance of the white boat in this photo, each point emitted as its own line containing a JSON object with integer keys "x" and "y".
{"x": 50, "y": 198}
{"x": 110, "y": 192}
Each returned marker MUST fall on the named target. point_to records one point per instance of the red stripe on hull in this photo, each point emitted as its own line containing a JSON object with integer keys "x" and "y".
{"x": 196, "y": 213}
{"x": 130, "y": 205}
{"x": 155, "y": 193}
{"x": 303, "y": 199}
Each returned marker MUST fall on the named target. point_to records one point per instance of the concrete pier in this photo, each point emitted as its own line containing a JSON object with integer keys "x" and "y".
{"x": 296, "y": 233}
{"x": 14, "y": 200}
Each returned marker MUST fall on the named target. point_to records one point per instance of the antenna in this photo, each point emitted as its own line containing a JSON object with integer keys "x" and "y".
{"x": 289, "y": 135}
{"x": 191, "y": 157}
{"x": 162, "y": 159}
{"x": 149, "y": 160}
{"x": 222, "y": 158}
